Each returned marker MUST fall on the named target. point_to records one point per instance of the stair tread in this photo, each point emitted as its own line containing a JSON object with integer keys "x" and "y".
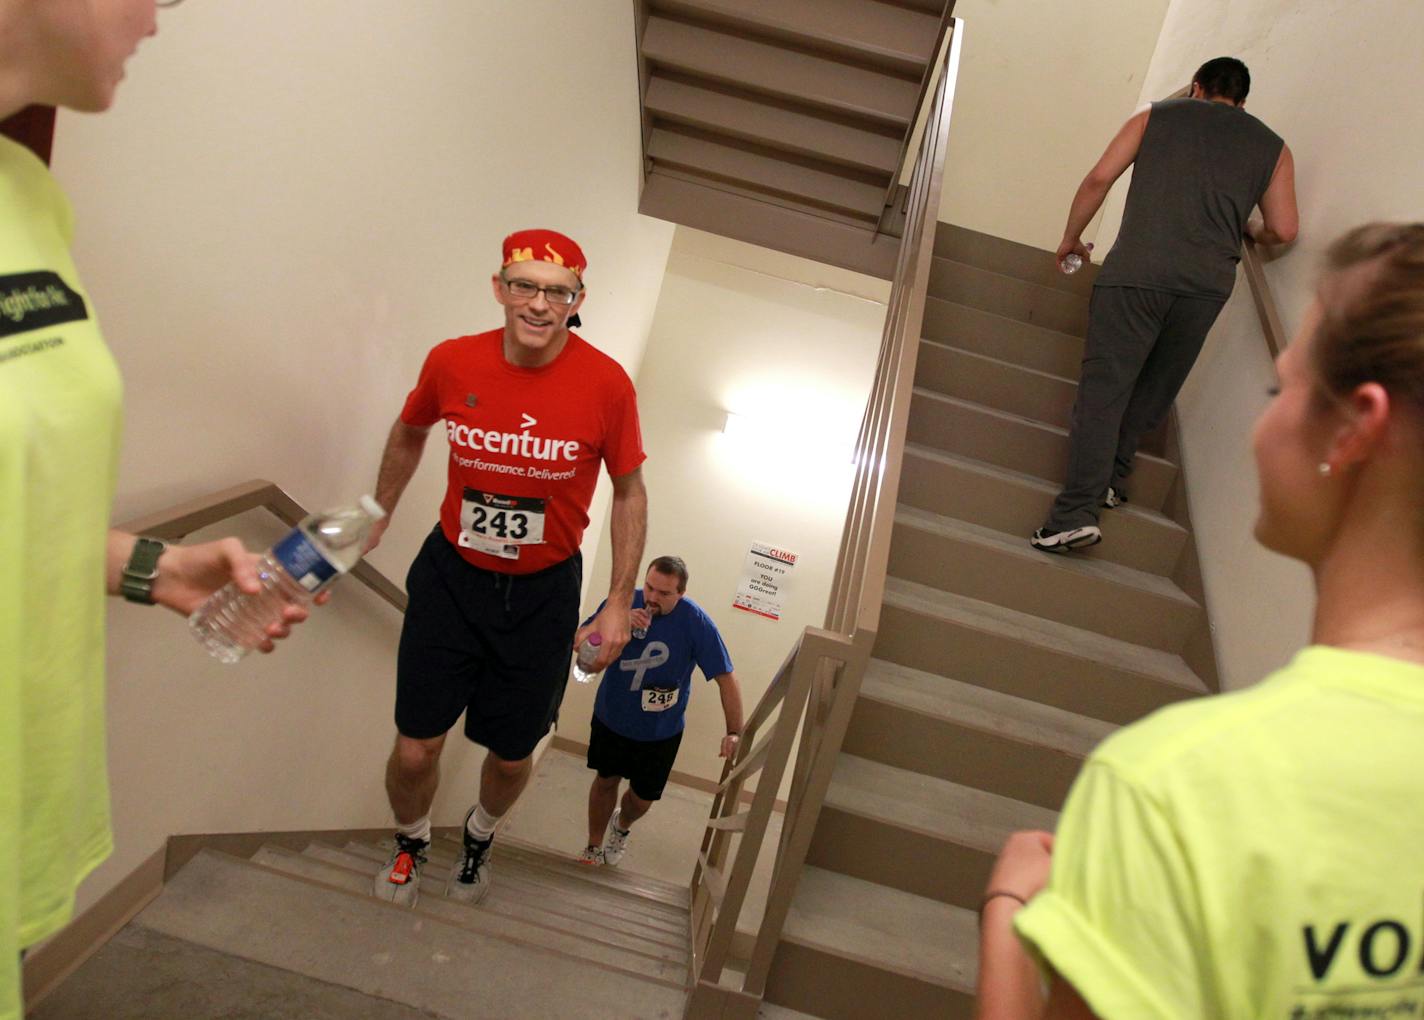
{"x": 511, "y": 893}
{"x": 1049, "y": 489}
{"x": 893, "y": 930}
{"x": 570, "y": 940}
{"x": 1018, "y": 546}
{"x": 1008, "y": 416}
{"x": 943, "y": 809}
{"x": 984, "y": 708}
{"x": 1017, "y": 626}
{"x": 1033, "y": 327}
{"x": 241, "y": 908}
{"x": 946, "y": 345}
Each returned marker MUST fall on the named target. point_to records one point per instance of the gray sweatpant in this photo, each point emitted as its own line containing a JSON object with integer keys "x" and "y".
{"x": 1141, "y": 344}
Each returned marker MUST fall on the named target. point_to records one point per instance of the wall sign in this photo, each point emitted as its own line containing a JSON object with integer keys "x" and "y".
{"x": 762, "y": 588}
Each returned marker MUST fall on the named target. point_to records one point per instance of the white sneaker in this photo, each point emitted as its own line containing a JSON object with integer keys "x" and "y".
{"x": 469, "y": 880}
{"x": 592, "y": 856}
{"x": 1065, "y": 541}
{"x": 615, "y": 844}
{"x": 398, "y": 881}
{"x": 1112, "y": 500}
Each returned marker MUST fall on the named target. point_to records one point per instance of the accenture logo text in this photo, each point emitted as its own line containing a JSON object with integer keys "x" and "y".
{"x": 514, "y": 444}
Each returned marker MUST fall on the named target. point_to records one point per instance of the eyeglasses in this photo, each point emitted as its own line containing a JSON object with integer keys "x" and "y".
{"x": 526, "y": 290}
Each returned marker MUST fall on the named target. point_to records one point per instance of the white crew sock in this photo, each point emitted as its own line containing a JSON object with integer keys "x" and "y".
{"x": 481, "y": 824}
{"x": 419, "y": 829}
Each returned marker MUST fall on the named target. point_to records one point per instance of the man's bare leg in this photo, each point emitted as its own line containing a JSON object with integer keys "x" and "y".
{"x": 412, "y": 777}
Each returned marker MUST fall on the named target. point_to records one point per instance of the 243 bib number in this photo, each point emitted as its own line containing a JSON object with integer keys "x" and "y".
{"x": 498, "y": 525}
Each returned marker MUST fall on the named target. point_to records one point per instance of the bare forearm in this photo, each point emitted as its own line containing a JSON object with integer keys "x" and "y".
{"x": 1086, "y": 203}
{"x": 731, "y": 693}
{"x": 628, "y": 531}
{"x": 121, "y": 545}
{"x": 1009, "y": 987}
{"x": 401, "y": 457}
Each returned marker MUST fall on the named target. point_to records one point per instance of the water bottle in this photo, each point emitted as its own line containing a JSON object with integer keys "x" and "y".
{"x": 1072, "y": 262}
{"x": 296, "y": 569}
{"x": 587, "y": 656}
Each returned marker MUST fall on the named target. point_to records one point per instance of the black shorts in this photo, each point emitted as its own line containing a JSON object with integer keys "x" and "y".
{"x": 494, "y": 646}
{"x": 646, "y": 764}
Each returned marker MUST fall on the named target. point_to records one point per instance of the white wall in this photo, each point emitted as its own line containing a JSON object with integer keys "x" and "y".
{"x": 1340, "y": 82}
{"x": 772, "y": 336}
{"x": 290, "y": 204}
{"x": 1042, "y": 88}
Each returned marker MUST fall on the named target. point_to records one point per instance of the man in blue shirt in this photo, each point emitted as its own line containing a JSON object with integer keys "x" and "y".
{"x": 641, "y": 707}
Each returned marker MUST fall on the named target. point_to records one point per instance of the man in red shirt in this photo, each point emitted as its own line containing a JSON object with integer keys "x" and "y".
{"x": 530, "y": 410}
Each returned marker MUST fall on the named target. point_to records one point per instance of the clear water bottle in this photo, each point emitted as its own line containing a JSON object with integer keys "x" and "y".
{"x": 587, "y": 656}
{"x": 298, "y": 568}
{"x": 1072, "y": 262}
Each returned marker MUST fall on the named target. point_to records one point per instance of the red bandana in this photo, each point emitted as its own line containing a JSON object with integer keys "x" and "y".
{"x": 544, "y": 246}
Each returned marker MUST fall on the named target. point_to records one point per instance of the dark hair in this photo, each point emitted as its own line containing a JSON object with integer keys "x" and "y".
{"x": 1372, "y": 328}
{"x": 1224, "y": 78}
{"x": 672, "y": 565}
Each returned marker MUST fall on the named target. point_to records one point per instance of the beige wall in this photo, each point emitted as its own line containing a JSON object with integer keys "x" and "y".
{"x": 290, "y": 204}
{"x": 742, "y": 329}
{"x": 1340, "y": 83}
{"x": 1042, "y": 88}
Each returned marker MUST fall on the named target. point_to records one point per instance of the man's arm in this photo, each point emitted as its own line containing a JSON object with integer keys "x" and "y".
{"x": 1118, "y": 156}
{"x": 1280, "y": 220}
{"x": 188, "y": 574}
{"x": 628, "y": 529}
{"x": 401, "y": 457}
{"x": 731, "y": 693}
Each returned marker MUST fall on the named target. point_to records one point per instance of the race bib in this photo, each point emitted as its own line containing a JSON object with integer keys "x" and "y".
{"x": 655, "y": 700}
{"x": 498, "y": 525}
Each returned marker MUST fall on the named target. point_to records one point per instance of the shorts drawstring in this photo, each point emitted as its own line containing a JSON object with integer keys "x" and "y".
{"x": 508, "y": 580}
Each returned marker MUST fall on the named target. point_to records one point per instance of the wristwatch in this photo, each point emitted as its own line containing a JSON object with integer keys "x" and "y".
{"x": 136, "y": 583}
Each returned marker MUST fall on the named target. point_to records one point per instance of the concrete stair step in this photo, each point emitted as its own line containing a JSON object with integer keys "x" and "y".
{"x": 916, "y": 832}
{"x": 837, "y": 188}
{"x": 1016, "y": 504}
{"x": 500, "y": 919}
{"x": 975, "y": 736}
{"x": 524, "y": 901}
{"x": 850, "y": 948}
{"x": 667, "y": 898}
{"x": 1027, "y": 656}
{"x": 998, "y": 336}
{"x": 1093, "y": 594}
{"x": 749, "y": 118}
{"x": 353, "y": 941}
{"x": 993, "y": 382}
{"x": 768, "y": 1011}
{"x": 1009, "y": 296}
{"x": 546, "y": 886}
{"x": 865, "y": 31}
{"x": 972, "y": 430}
{"x": 1010, "y": 258}
{"x": 808, "y": 79}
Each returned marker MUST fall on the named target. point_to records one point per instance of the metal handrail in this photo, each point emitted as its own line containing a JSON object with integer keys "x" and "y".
{"x": 176, "y": 522}
{"x": 814, "y": 691}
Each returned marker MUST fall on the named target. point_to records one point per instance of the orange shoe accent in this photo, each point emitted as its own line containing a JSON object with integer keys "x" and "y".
{"x": 400, "y": 871}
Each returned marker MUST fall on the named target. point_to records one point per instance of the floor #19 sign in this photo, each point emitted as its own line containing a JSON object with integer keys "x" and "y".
{"x": 762, "y": 587}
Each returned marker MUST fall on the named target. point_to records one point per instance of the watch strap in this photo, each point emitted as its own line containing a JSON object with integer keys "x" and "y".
{"x": 136, "y": 582}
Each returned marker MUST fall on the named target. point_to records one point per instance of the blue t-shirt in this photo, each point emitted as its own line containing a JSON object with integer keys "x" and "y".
{"x": 643, "y": 696}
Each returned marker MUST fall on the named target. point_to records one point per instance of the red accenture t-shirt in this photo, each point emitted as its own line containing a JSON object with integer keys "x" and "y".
{"x": 525, "y": 445}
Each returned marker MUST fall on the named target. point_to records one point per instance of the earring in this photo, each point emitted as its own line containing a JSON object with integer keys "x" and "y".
{"x": 1324, "y": 468}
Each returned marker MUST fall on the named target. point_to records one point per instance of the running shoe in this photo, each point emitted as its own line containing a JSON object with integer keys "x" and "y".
{"x": 469, "y": 880}
{"x": 1113, "y": 499}
{"x": 615, "y": 844}
{"x": 592, "y": 856}
{"x": 398, "y": 881}
{"x": 1066, "y": 541}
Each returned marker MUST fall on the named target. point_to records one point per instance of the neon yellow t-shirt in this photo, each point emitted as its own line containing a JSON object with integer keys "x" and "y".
{"x": 59, "y": 437}
{"x": 1258, "y": 854}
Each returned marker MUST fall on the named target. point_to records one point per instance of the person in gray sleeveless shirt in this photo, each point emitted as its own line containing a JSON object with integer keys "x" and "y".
{"x": 1201, "y": 164}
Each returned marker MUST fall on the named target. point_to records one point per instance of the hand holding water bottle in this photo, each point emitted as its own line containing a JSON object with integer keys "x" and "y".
{"x": 1071, "y": 255}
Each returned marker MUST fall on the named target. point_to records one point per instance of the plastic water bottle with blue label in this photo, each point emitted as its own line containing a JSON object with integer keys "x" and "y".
{"x": 298, "y": 568}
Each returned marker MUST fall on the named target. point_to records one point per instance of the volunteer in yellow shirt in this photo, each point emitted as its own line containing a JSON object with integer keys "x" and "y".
{"x": 1261, "y": 854}
{"x": 59, "y": 440}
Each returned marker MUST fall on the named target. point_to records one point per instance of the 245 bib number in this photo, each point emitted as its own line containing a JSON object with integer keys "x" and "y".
{"x": 498, "y": 525}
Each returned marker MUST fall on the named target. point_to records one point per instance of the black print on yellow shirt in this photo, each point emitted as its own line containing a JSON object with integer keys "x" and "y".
{"x": 30, "y": 301}
{"x": 1384, "y": 947}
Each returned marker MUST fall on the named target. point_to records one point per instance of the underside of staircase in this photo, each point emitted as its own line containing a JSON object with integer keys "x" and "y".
{"x": 785, "y": 123}
{"x": 293, "y": 932}
{"x": 997, "y": 668}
